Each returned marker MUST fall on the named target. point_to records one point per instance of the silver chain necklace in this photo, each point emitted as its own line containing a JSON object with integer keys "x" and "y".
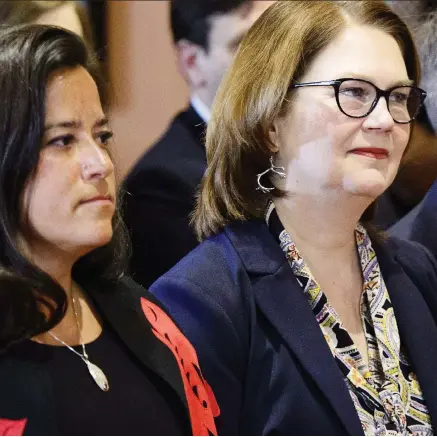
{"x": 95, "y": 371}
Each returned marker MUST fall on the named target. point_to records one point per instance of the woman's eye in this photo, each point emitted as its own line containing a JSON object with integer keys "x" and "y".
{"x": 62, "y": 141}
{"x": 354, "y": 92}
{"x": 399, "y": 97}
{"x": 105, "y": 137}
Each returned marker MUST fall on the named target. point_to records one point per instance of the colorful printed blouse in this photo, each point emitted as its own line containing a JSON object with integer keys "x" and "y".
{"x": 386, "y": 393}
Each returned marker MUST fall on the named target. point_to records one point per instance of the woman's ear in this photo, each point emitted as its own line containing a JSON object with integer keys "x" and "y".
{"x": 273, "y": 136}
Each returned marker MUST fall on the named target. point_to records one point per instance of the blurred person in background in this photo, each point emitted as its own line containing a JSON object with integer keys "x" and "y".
{"x": 161, "y": 186}
{"x": 83, "y": 349}
{"x": 401, "y": 203}
{"x": 71, "y": 15}
{"x": 416, "y": 184}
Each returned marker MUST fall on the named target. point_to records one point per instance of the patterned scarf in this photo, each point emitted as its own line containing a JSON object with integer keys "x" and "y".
{"x": 385, "y": 393}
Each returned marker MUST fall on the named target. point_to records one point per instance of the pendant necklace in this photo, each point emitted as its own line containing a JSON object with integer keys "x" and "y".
{"x": 95, "y": 371}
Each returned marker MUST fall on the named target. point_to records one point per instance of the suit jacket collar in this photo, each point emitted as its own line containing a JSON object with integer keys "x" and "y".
{"x": 195, "y": 125}
{"x": 258, "y": 249}
{"x": 275, "y": 288}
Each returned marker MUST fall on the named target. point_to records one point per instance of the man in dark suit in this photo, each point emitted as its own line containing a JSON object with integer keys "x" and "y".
{"x": 160, "y": 189}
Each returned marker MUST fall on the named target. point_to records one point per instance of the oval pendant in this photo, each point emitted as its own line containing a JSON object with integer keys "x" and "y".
{"x": 98, "y": 376}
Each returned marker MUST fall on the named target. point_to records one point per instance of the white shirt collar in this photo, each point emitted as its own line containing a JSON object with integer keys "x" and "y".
{"x": 202, "y": 110}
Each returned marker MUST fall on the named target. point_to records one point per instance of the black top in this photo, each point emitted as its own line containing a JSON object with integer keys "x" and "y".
{"x": 150, "y": 367}
{"x": 160, "y": 197}
{"x": 138, "y": 401}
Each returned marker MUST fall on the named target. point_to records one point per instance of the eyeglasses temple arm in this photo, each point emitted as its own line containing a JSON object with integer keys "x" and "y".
{"x": 323, "y": 83}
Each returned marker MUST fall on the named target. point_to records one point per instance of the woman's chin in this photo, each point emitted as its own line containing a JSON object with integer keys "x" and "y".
{"x": 371, "y": 184}
{"x": 99, "y": 238}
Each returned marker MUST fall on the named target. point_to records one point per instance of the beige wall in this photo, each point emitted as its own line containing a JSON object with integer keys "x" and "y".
{"x": 143, "y": 73}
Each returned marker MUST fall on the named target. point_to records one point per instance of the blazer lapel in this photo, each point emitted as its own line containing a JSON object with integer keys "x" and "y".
{"x": 283, "y": 302}
{"x": 417, "y": 327}
{"x": 280, "y": 297}
{"x": 122, "y": 310}
{"x": 276, "y": 289}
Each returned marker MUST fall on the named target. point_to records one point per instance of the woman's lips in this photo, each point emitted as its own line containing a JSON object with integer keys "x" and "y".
{"x": 371, "y": 152}
{"x": 98, "y": 199}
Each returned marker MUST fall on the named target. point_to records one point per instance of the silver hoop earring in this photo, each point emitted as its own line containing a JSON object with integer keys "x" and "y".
{"x": 280, "y": 171}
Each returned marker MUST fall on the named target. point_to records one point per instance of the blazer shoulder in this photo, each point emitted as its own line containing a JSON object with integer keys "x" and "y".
{"x": 241, "y": 252}
{"x": 418, "y": 263}
{"x": 212, "y": 277}
{"x": 213, "y": 261}
{"x": 411, "y": 252}
{"x": 421, "y": 267}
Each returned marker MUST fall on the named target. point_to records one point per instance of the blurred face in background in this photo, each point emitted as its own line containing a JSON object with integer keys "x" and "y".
{"x": 421, "y": 16}
{"x": 204, "y": 69}
{"x": 65, "y": 16}
{"x": 427, "y": 46}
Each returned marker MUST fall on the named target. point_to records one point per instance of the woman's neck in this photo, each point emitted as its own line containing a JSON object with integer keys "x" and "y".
{"x": 80, "y": 323}
{"x": 323, "y": 225}
{"x": 324, "y": 234}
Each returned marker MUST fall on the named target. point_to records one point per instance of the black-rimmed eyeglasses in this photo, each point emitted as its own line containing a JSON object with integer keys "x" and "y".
{"x": 357, "y": 98}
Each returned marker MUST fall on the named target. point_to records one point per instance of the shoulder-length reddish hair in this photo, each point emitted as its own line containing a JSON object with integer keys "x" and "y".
{"x": 277, "y": 49}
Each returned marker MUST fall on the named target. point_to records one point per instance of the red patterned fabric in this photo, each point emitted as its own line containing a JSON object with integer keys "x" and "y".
{"x": 201, "y": 401}
{"x": 12, "y": 427}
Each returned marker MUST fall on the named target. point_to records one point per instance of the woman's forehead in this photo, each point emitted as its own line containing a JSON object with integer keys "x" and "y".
{"x": 363, "y": 52}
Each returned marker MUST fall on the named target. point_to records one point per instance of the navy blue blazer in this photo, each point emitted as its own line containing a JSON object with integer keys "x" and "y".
{"x": 259, "y": 345}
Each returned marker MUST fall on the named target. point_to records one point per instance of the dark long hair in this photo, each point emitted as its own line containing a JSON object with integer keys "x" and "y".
{"x": 31, "y": 302}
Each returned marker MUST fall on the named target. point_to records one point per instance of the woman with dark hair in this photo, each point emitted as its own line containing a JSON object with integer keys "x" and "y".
{"x": 307, "y": 321}
{"x": 85, "y": 350}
